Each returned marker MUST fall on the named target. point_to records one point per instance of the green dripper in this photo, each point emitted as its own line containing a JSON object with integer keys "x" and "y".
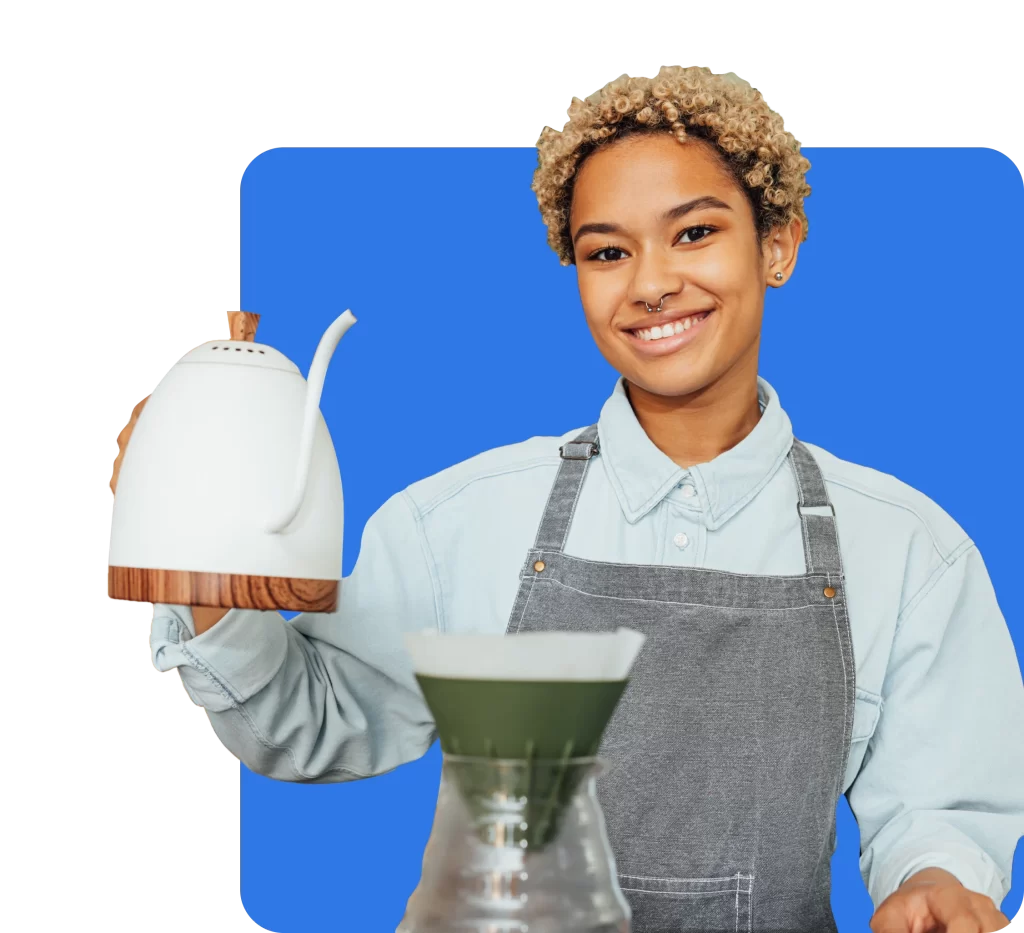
{"x": 541, "y": 700}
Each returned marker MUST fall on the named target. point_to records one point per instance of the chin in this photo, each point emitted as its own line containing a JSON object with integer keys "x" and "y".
{"x": 668, "y": 384}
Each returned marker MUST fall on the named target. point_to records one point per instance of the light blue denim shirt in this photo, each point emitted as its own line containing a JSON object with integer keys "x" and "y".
{"x": 936, "y": 768}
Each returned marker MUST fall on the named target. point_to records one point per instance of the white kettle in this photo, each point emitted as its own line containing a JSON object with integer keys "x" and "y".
{"x": 229, "y": 493}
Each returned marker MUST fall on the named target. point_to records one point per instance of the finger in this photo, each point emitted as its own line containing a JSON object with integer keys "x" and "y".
{"x": 964, "y": 921}
{"x": 956, "y": 909}
{"x": 127, "y": 430}
{"x": 890, "y": 921}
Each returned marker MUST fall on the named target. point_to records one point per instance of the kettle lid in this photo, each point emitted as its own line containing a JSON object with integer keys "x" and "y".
{"x": 240, "y": 353}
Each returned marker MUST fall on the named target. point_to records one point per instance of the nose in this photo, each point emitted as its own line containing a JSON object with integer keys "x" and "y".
{"x": 654, "y": 281}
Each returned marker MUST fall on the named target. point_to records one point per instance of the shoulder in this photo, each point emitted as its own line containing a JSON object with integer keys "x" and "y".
{"x": 886, "y": 505}
{"x": 524, "y": 463}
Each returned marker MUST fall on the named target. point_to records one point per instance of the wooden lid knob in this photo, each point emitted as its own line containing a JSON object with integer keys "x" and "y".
{"x": 243, "y": 325}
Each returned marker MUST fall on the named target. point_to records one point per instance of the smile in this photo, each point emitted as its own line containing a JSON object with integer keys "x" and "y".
{"x": 668, "y": 337}
{"x": 670, "y": 330}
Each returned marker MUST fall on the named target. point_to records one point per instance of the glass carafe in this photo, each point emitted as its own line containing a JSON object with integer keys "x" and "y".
{"x": 517, "y": 846}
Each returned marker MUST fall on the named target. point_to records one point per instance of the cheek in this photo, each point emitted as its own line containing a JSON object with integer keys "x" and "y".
{"x": 600, "y": 296}
{"x": 725, "y": 275}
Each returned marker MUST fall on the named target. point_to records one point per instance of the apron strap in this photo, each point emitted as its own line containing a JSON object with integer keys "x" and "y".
{"x": 565, "y": 492}
{"x": 821, "y": 537}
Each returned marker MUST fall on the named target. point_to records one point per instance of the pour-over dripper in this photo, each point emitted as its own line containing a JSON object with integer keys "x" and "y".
{"x": 541, "y": 698}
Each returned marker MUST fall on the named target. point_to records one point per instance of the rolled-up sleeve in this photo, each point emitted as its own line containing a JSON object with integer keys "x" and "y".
{"x": 942, "y": 784}
{"x": 327, "y": 696}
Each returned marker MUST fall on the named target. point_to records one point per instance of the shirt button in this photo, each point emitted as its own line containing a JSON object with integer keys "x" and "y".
{"x": 680, "y": 540}
{"x": 689, "y": 492}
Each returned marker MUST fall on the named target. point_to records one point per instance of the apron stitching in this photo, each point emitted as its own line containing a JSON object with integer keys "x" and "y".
{"x": 732, "y": 890}
{"x": 740, "y": 875}
{"x": 848, "y": 719}
{"x": 668, "y": 569}
{"x": 666, "y": 602}
{"x": 529, "y": 596}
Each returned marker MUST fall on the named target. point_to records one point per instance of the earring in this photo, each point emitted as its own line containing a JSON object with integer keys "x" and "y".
{"x": 778, "y": 276}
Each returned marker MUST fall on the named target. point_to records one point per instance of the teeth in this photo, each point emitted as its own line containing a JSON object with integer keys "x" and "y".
{"x": 669, "y": 330}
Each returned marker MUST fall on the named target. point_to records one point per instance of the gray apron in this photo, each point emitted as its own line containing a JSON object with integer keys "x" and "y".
{"x": 725, "y": 757}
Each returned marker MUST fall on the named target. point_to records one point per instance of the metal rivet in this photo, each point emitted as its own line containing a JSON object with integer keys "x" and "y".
{"x": 829, "y": 592}
{"x": 538, "y": 566}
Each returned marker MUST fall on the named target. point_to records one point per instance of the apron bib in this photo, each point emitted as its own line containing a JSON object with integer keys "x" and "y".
{"x": 726, "y": 754}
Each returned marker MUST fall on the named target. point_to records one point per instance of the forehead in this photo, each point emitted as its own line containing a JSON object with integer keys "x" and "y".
{"x": 640, "y": 174}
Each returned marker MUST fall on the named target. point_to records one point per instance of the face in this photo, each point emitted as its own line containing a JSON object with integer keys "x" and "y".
{"x": 657, "y": 221}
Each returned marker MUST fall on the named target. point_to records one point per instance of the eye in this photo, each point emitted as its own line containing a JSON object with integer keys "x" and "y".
{"x": 607, "y": 249}
{"x": 702, "y": 231}
{"x": 702, "y": 227}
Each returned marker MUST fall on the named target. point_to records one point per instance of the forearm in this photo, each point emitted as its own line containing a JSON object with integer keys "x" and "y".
{"x": 294, "y": 707}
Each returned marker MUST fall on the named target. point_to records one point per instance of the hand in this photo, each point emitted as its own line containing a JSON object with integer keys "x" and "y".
{"x": 934, "y": 901}
{"x": 122, "y": 442}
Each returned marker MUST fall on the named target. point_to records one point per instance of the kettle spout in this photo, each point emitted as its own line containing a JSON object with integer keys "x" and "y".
{"x": 314, "y": 388}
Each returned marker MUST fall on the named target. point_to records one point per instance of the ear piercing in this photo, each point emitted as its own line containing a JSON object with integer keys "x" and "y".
{"x": 778, "y": 276}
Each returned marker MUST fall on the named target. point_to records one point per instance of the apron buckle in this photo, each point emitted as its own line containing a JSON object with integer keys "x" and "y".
{"x": 579, "y": 451}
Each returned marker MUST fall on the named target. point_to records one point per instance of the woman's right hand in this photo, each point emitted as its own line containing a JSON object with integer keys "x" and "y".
{"x": 204, "y": 617}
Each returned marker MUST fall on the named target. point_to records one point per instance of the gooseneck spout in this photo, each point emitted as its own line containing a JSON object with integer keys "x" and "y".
{"x": 314, "y": 388}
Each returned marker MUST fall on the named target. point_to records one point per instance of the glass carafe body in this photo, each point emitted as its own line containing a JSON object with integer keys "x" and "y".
{"x": 517, "y": 846}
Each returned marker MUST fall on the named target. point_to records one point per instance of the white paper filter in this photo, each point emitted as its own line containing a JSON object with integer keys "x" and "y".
{"x": 531, "y": 656}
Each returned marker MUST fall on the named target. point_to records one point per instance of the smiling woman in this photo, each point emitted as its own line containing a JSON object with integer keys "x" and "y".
{"x": 813, "y": 627}
{"x": 680, "y": 195}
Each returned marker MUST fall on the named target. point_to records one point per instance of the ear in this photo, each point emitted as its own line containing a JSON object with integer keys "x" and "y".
{"x": 779, "y": 250}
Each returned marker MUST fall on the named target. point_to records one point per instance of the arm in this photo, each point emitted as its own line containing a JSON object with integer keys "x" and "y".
{"x": 328, "y": 696}
{"x": 941, "y": 786}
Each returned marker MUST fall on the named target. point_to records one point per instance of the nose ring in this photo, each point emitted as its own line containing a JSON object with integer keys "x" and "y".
{"x": 660, "y": 303}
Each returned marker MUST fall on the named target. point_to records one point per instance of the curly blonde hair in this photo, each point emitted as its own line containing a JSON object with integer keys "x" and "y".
{"x": 724, "y": 110}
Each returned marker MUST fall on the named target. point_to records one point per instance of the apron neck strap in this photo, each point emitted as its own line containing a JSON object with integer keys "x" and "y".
{"x": 565, "y": 491}
{"x": 820, "y": 537}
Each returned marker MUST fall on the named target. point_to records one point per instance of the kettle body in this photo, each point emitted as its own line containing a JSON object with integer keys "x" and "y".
{"x": 230, "y": 494}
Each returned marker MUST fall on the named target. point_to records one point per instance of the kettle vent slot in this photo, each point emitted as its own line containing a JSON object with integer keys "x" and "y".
{"x": 238, "y": 349}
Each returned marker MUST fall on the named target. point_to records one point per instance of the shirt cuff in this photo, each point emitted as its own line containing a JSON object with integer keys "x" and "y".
{"x": 971, "y": 867}
{"x": 229, "y": 662}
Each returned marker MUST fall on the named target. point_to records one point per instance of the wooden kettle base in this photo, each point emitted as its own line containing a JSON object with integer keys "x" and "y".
{"x": 221, "y": 590}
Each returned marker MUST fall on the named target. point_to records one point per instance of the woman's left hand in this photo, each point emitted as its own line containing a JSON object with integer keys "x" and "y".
{"x": 934, "y": 901}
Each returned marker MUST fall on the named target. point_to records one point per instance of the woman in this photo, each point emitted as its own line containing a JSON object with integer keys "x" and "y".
{"x": 814, "y": 627}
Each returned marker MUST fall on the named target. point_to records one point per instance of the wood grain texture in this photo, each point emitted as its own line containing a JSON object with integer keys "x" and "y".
{"x": 221, "y": 590}
{"x": 243, "y": 325}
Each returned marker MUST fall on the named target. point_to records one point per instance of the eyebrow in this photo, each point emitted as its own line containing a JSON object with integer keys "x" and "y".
{"x": 673, "y": 213}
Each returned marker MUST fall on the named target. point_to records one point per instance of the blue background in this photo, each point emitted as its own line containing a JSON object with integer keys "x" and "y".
{"x": 896, "y": 345}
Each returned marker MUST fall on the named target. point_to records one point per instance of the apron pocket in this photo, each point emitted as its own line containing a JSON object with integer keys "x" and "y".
{"x": 689, "y": 905}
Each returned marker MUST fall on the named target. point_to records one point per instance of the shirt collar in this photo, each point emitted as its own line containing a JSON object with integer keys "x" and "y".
{"x": 642, "y": 475}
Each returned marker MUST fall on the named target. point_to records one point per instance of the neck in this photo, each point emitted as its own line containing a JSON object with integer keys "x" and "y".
{"x": 698, "y": 427}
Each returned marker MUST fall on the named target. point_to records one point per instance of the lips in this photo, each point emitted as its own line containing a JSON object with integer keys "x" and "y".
{"x": 665, "y": 317}
{"x": 669, "y": 332}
